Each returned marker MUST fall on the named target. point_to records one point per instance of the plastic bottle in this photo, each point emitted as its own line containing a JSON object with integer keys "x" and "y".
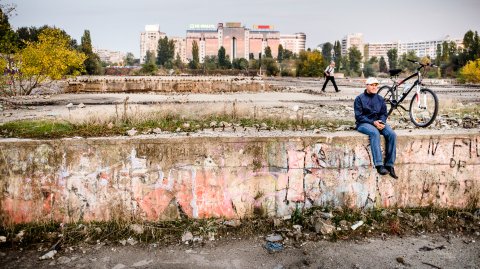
{"x": 405, "y": 88}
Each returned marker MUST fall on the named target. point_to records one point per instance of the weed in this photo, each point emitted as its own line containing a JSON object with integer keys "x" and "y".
{"x": 298, "y": 217}
{"x": 394, "y": 226}
{"x": 167, "y": 120}
{"x": 389, "y": 221}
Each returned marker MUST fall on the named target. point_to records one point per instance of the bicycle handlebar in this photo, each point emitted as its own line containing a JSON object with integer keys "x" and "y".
{"x": 421, "y": 65}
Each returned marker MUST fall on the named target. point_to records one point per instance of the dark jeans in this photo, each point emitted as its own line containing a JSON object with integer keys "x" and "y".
{"x": 332, "y": 78}
{"x": 374, "y": 136}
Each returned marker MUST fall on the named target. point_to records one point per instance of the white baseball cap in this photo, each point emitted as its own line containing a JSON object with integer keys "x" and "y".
{"x": 371, "y": 80}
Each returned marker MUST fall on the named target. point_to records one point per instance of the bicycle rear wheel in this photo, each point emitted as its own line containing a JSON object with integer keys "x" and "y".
{"x": 387, "y": 93}
{"x": 423, "y": 108}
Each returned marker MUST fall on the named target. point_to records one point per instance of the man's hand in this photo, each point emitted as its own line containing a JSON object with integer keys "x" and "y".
{"x": 379, "y": 125}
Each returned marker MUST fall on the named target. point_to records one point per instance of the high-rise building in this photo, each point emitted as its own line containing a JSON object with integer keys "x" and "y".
{"x": 207, "y": 38}
{"x": 294, "y": 43}
{"x": 110, "y": 57}
{"x": 238, "y": 41}
{"x": 180, "y": 48}
{"x": 352, "y": 40}
{"x": 421, "y": 48}
{"x": 149, "y": 40}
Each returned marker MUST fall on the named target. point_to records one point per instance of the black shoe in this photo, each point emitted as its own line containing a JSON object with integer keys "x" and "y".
{"x": 391, "y": 170}
{"x": 323, "y": 90}
{"x": 381, "y": 170}
{"x": 337, "y": 90}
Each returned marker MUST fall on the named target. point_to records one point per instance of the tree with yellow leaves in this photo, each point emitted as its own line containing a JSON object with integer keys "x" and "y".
{"x": 310, "y": 64}
{"x": 51, "y": 58}
{"x": 471, "y": 71}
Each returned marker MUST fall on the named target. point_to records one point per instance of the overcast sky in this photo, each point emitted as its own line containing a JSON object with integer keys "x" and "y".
{"x": 116, "y": 24}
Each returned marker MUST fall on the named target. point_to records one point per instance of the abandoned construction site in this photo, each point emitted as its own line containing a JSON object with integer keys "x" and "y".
{"x": 232, "y": 172}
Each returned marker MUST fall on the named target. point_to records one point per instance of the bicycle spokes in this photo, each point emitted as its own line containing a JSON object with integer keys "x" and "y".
{"x": 423, "y": 108}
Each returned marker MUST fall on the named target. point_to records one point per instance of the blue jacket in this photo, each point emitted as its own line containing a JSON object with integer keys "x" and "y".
{"x": 369, "y": 108}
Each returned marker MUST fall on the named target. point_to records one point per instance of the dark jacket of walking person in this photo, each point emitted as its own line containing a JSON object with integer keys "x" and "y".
{"x": 329, "y": 76}
{"x": 371, "y": 119}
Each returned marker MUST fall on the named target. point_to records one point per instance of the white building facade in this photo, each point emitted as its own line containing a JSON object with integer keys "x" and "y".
{"x": 149, "y": 40}
{"x": 294, "y": 43}
{"x": 352, "y": 40}
{"x": 421, "y": 48}
{"x": 238, "y": 41}
{"x": 110, "y": 57}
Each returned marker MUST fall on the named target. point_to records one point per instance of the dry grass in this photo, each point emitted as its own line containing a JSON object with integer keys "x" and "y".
{"x": 377, "y": 221}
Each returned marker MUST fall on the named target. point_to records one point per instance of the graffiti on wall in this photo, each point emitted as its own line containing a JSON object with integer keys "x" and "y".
{"x": 152, "y": 181}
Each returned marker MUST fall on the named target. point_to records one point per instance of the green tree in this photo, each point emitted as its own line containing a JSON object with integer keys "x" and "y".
{"x": 268, "y": 52}
{"x": 31, "y": 34}
{"x": 129, "y": 59}
{"x": 51, "y": 58}
{"x": 270, "y": 66}
{"x": 438, "y": 55}
{"x": 165, "y": 52}
{"x": 8, "y": 38}
{"x": 92, "y": 63}
{"x": 355, "y": 58}
{"x": 373, "y": 60}
{"x": 310, "y": 64}
{"x": 253, "y": 64}
{"x": 288, "y": 54}
{"x": 471, "y": 42}
{"x": 337, "y": 53}
{"x": 210, "y": 63}
{"x": 392, "y": 55}
{"x": 280, "y": 53}
{"x": 149, "y": 67}
{"x": 8, "y": 46}
{"x": 403, "y": 62}
{"x": 345, "y": 63}
{"x": 194, "y": 63}
{"x": 327, "y": 52}
{"x": 451, "y": 60}
{"x": 445, "y": 51}
{"x": 240, "y": 64}
{"x": 382, "y": 65}
{"x": 368, "y": 70}
{"x": 178, "y": 62}
{"x": 222, "y": 58}
{"x": 373, "y": 64}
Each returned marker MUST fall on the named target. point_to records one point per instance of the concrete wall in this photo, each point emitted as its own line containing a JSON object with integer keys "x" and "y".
{"x": 161, "y": 178}
{"x": 191, "y": 84}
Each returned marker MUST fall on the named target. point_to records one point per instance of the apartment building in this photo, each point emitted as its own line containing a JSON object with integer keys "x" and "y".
{"x": 421, "y": 48}
{"x": 238, "y": 40}
{"x": 352, "y": 40}
{"x": 294, "y": 43}
{"x": 149, "y": 40}
{"x": 111, "y": 57}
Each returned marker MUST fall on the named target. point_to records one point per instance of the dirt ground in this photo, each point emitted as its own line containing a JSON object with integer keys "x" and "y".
{"x": 414, "y": 251}
{"x": 418, "y": 250}
{"x": 292, "y": 98}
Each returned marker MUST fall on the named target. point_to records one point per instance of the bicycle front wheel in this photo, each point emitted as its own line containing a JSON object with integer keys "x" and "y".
{"x": 423, "y": 108}
{"x": 387, "y": 93}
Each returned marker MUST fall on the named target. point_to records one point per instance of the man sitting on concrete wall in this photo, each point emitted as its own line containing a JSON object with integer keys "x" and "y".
{"x": 371, "y": 118}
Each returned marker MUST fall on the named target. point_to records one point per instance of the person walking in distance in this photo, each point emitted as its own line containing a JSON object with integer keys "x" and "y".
{"x": 329, "y": 71}
{"x": 371, "y": 119}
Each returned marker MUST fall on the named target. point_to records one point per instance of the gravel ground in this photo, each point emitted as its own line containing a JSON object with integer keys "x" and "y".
{"x": 414, "y": 251}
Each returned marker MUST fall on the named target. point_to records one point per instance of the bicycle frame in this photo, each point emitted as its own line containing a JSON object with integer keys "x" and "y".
{"x": 397, "y": 102}
{"x": 424, "y": 105}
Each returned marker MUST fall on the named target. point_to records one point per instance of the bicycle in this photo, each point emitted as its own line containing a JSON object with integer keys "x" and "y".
{"x": 423, "y": 107}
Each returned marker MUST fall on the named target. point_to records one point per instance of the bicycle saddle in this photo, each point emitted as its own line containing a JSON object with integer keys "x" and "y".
{"x": 394, "y": 72}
